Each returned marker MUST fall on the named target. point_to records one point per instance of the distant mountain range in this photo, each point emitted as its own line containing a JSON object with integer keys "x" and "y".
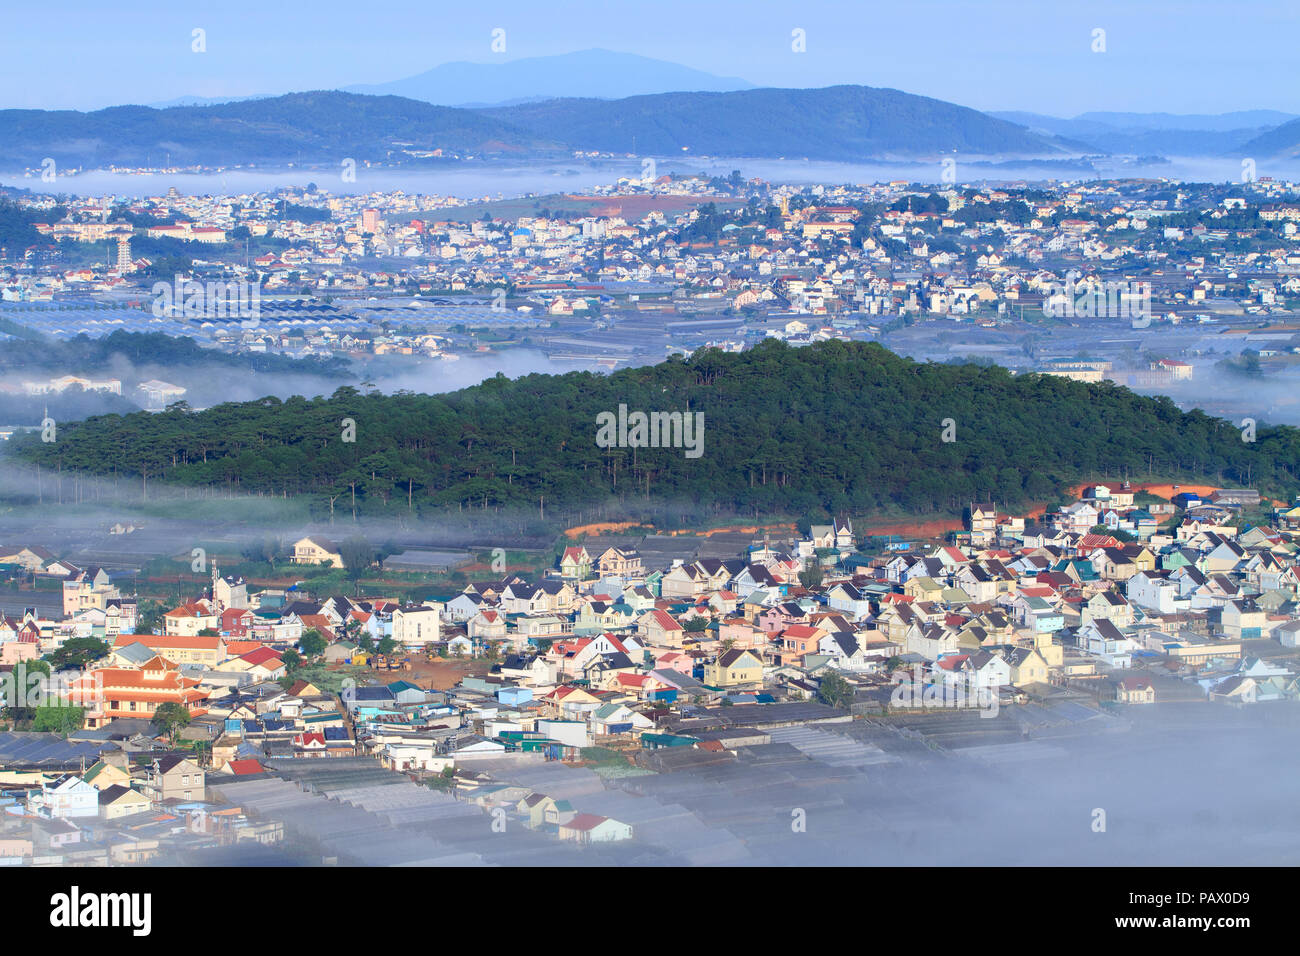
{"x": 620, "y": 102}
{"x": 300, "y": 127}
{"x": 1166, "y": 134}
{"x": 542, "y": 107}
{"x": 1281, "y": 142}
{"x": 609, "y": 74}
{"x": 527, "y": 80}
{"x": 844, "y": 123}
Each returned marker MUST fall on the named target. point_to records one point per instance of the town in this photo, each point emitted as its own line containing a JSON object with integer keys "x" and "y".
{"x": 1138, "y": 281}
{"x": 591, "y": 707}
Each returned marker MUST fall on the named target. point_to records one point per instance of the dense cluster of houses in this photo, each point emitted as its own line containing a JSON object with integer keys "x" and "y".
{"x": 824, "y": 267}
{"x": 1117, "y": 602}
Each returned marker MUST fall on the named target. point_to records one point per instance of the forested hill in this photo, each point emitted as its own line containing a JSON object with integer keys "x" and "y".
{"x": 835, "y": 426}
{"x": 843, "y": 123}
{"x": 847, "y": 123}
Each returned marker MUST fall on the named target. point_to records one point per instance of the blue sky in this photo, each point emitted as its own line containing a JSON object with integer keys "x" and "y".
{"x": 1180, "y": 57}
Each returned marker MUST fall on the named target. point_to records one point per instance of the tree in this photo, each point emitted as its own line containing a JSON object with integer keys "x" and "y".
{"x": 58, "y": 719}
{"x": 835, "y": 691}
{"x": 312, "y": 643}
{"x": 150, "y": 617}
{"x": 76, "y": 653}
{"x": 357, "y": 555}
{"x": 170, "y": 717}
{"x": 36, "y": 667}
{"x": 386, "y": 646}
{"x": 292, "y": 660}
{"x": 811, "y": 578}
{"x": 269, "y": 549}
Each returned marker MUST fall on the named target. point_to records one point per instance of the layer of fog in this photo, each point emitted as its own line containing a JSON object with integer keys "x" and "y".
{"x": 1190, "y": 784}
{"x": 484, "y": 182}
{"x": 210, "y": 384}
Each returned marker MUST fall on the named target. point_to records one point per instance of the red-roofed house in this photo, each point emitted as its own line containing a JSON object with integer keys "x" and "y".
{"x": 188, "y": 619}
{"x": 244, "y": 768}
{"x": 236, "y": 622}
{"x": 263, "y": 664}
{"x": 660, "y": 629}
{"x": 591, "y": 828}
{"x": 1135, "y": 690}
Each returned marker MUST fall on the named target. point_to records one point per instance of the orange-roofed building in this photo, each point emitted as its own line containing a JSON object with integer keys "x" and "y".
{"x": 318, "y": 622}
{"x": 263, "y": 663}
{"x": 208, "y": 651}
{"x": 188, "y": 619}
{"x": 800, "y": 639}
{"x": 112, "y": 692}
{"x": 240, "y": 648}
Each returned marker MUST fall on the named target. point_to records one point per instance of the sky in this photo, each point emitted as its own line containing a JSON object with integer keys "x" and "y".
{"x": 1189, "y": 56}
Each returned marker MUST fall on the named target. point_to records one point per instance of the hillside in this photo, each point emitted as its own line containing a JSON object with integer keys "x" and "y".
{"x": 1282, "y": 141}
{"x": 306, "y": 127}
{"x": 842, "y": 123}
{"x": 831, "y": 427}
{"x": 849, "y": 123}
{"x": 1141, "y": 134}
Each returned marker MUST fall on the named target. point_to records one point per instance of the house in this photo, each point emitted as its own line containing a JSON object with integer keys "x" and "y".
{"x": 570, "y": 702}
{"x": 1288, "y": 634}
{"x": 464, "y": 606}
{"x": 1238, "y": 689}
{"x": 190, "y": 619}
{"x": 983, "y": 524}
{"x": 317, "y": 550}
{"x": 1027, "y": 666}
{"x": 1243, "y": 620}
{"x": 618, "y": 719}
{"x": 538, "y": 810}
{"x": 847, "y": 598}
{"x": 207, "y": 651}
{"x": 120, "y": 801}
{"x": 415, "y": 625}
{"x": 29, "y": 557}
{"x": 486, "y": 624}
{"x": 175, "y": 777}
{"x": 113, "y": 692}
{"x": 660, "y": 629}
{"x": 1103, "y": 639}
{"x": 734, "y": 668}
{"x": 987, "y": 669}
{"x": 623, "y": 564}
{"x": 591, "y": 828}
{"x": 575, "y": 562}
{"x": 101, "y": 776}
{"x": 64, "y": 798}
{"x": 263, "y": 664}
{"x": 341, "y": 652}
{"x": 1135, "y": 690}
